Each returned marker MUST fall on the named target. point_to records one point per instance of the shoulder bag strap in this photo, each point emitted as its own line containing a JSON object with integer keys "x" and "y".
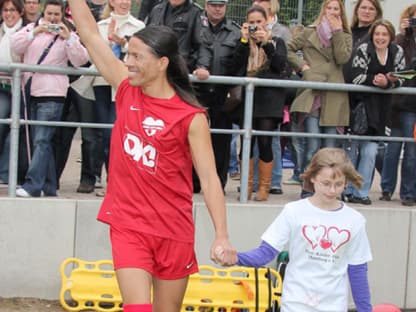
{"x": 46, "y": 50}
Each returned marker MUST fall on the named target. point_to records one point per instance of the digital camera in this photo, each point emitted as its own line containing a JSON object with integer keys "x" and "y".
{"x": 54, "y": 28}
{"x": 412, "y": 22}
{"x": 252, "y": 28}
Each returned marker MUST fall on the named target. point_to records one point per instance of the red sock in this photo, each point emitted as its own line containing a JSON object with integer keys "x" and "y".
{"x": 137, "y": 307}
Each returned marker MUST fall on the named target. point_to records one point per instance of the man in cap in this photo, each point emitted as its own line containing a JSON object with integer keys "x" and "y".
{"x": 219, "y": 37}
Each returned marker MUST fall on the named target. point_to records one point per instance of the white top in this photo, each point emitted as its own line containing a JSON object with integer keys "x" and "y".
{"x": 321, "y": 245}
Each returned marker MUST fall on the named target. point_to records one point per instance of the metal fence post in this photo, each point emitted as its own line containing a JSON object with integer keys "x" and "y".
{"x": 245, "y": 146}
{"x": 14, "y": 132}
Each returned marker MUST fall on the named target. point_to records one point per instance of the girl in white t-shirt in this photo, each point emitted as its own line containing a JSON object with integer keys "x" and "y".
{"x": 326, "y": 239}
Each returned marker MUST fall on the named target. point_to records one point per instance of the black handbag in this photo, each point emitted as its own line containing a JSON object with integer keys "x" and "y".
{"x": 358, "y": 120}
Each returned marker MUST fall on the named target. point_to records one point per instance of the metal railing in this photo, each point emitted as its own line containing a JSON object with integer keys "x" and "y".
{"x": 246, "y": 132}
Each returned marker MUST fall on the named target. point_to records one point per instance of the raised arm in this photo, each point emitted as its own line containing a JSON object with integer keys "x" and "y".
{"x": 111, "y": 68}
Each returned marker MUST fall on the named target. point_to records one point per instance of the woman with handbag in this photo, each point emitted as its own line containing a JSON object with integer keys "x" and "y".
{"x": 264, "y": 56}
{"x": 372, "y": 65}
{"x": 50, "y": 41}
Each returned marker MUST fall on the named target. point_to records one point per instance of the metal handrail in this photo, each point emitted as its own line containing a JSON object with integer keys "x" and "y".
{"x": 16, "y": 69}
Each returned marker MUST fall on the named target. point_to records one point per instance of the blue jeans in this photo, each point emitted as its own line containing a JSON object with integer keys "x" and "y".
{"x": 105, "y": 113}
{"x": 41, "y": 175}
{"x": 314, "y": 144}
{"x": 391, "y": 163}
{"x": 234, "y": 166}
{"x": 363, "y": 157}
{"x": 297, "y": 145}
{"x": 408, "y": 171}
{"x": 5, "y": 110}
{"x": 277, "y": 172}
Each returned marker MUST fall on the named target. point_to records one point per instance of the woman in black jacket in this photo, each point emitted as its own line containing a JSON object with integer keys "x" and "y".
{"x": 263, "y": 56}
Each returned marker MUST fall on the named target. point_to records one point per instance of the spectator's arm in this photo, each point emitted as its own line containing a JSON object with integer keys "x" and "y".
{"x": 359, "y": 71}
{"x": 111, "y": 68}
{"x": 20, "y": 40}
{"x": 238, "y": 64}
{"x": 295, "y": 44}
{"x": 277, "y": 53}
{"x": 399, "y": 64}
{"x": 76, "y": 52}
{"x": 342, "y": 47}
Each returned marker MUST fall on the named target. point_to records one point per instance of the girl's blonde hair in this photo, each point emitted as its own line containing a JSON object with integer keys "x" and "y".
{"x": 375, "y": 3}
{"x": 336, "y": 159}
{"x": 345, "y": 26}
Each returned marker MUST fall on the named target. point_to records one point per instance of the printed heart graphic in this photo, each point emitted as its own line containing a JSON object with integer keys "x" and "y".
{"x": 325, "y": 244}
{"x": 338, "y": 237}
{"x": 151, "y": 126}
{"x": 314, "y": 234}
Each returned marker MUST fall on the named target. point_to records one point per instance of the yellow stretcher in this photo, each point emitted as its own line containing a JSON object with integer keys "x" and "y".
{"x": 93, "y": 286}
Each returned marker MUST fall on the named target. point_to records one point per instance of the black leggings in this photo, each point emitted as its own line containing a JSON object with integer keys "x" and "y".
{"x": 264, "y": 142}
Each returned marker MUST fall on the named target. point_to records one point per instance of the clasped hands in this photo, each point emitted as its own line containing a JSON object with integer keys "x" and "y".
{"x": 223, "y": 253}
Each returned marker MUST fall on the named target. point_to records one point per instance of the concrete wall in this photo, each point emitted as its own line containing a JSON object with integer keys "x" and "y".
{"x": 37, "y": 235}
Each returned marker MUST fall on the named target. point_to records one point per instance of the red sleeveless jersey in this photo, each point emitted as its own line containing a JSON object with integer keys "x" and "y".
{"x": 150, "y": 175}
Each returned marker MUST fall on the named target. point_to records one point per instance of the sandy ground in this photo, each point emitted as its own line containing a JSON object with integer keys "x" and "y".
{"x": 29, "y": 305}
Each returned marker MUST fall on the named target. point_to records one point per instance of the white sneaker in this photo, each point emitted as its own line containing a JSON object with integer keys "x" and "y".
{"x": 98, "y": 183}
{"x": 21, "y": 192}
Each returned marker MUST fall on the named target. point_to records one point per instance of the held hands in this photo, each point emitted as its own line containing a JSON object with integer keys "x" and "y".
{"x": 59, "y": 29}
{"x": 223, "y": 253}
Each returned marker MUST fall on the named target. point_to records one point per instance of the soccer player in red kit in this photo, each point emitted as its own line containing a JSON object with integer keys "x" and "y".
{"x": 160, "y": 131}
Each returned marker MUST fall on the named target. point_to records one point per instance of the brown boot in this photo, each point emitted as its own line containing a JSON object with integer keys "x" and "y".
{"x": 265, "y": 177}
{"x": 250, "y": 178}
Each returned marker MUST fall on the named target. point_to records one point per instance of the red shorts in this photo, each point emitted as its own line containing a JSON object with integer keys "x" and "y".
{"x": 162, "y": 257}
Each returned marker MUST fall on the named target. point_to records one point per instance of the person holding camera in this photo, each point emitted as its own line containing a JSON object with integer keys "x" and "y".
{"x": 403, "y": 119}
{"x": 262, "y": 55}
{"x": 52, "y": 42}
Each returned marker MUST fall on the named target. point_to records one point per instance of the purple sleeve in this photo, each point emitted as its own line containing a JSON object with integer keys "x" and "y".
{"x": 359, "y": 287}
{"x": 257, "y": 257}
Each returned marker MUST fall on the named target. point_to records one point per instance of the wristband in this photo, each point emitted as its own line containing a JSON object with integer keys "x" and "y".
{"x": 243, "y": 40}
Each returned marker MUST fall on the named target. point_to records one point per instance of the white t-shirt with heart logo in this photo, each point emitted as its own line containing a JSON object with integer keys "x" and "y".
{"x": 321, "y": 245}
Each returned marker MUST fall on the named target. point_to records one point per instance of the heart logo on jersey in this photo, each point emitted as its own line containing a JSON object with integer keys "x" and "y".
{"x": 332, "y": 237}
{"x": 151, "y": 126}
{"x": 314, "y": 234}
{"x": 338, "y": 237}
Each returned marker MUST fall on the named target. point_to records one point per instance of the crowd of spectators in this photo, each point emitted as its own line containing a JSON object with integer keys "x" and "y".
{"x": 366, "y": 51}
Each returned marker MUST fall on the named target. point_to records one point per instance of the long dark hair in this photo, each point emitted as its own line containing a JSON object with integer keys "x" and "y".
{"x": 163, "y": 43}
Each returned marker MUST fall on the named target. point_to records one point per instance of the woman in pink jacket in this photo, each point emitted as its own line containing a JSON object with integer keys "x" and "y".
{"x": 48, "y": 91}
